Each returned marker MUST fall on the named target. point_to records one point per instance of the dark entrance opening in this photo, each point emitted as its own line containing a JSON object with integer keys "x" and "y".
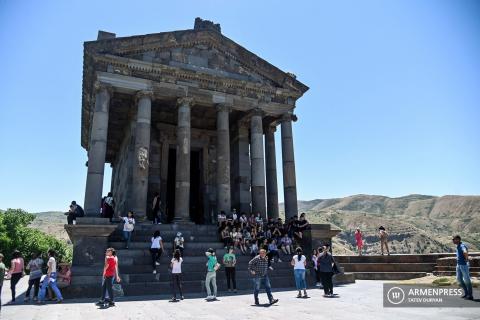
{"x": 196, "y": 186}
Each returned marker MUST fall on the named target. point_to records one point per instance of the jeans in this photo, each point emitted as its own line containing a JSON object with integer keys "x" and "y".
{"x": 156, "y": 254}
{"x": 327, "y": 282}
{"x": 50, "y": 281}
{"x": 177, "y": 279}
{"x": 300, "y": 279}
{"x": 257, "y": 282}
{"x": 107, "y": 288}
{"x": 33, "y": 283}
{"x": 1, "y": 297}
{"x": 127, "y": 235}
{"x": 13, "y": 283}
{"x": 463, "y": 278}
{"x": 211, "y": 278}
{"x": 230, "y": 273}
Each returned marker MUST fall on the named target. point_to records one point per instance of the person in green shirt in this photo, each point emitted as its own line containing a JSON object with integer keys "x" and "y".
{"x": 230, "y": 260}
{"x": 2, "y": 276}
{"x": 211, "y": 278}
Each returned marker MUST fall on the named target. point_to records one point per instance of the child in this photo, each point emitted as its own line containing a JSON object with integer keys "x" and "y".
{"x": 176, "y": 266}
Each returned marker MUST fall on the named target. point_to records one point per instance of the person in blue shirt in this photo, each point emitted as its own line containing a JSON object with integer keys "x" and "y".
{"x": 463, "y": 273}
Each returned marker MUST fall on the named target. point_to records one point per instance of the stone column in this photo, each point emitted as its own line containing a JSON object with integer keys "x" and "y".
{"x": 97, "y": 150}
{"x": 288, "y": 159}
{"x": 271, "y": 172}
{"x": 142, "y": 154}
{"x": 223, "y": 159}
{"x": 182, "y": 171}
{"x": 258, "y": 165}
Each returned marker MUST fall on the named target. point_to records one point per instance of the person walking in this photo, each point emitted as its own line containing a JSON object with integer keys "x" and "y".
{"x": 35, "y": 267}
{"x": 50, "y": 280}
{"x": 17, "y": 266}
{"x": 110, "y": 272}
{"x": 382, "y": 233}
{"x": 176, "y": 266}
{"x": 325, "y": 265}
{"x": 108, "y": 206}
{"x": 299, "y": 262}
{"x": 156, "y": 250}
{"x": 315, "y": 254}
{"x": 2, "y": 276}
{"x": 211, "y": 278}
{"x": 230, "y": 260}
{"x": 463, "y": 266}
{"x": 157, "y": 216}
{"x": 258, "y": 268}
{"x": 359, "y": 241}
{"x": 128, "y": 226}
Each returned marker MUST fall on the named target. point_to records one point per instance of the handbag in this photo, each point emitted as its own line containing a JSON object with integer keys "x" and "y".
{"x": 118, "y": 290}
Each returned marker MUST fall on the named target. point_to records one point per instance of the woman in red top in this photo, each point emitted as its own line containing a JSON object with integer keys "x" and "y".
{"x": 358, "y": 239}
{"x": 109, "y": 271}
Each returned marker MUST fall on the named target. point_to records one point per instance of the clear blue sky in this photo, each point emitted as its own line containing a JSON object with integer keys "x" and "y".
{"x": 393, "y": 106}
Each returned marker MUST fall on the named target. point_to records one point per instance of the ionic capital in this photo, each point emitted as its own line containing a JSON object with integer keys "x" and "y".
{"x": 99, "y": 86}
{"x": 144, "y": 94}
{"x": 288, "y": 117}
{"x": 223, "y": 107}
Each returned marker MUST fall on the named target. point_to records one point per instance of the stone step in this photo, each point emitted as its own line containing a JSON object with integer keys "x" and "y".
{"x": 454, "y": 268}
{"x": 388, "y": 267}
{"x": 388, "y": 275}
{"x": 452, "y": 261}
{"x": 394, "y": 258}
{"x": 454, "y": 273}
{"x": 199, "y": 248}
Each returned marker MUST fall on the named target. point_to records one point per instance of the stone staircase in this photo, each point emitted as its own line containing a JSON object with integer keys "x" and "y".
{"x": 447, "y": 266}
{"x": 136, "y": 270}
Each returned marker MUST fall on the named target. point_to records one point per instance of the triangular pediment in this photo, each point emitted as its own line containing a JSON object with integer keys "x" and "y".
{"x": 202, "y": 51}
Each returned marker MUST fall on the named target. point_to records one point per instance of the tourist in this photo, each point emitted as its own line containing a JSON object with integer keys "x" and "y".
{"x": 227, "y": 237}
{"x": 157, "y": 216}
{"x": 128, "y": 226}
{"x": 259, "y": 219}
{"x": 273, "y": 251}
{"x": 176, "y": 266}
{"x": 221, "y": 217}
{"x": 156, "y": 250}
{"x": 383, "y": 239}
{"x": 359, "y": 241}
{"x": 252, "y": 221}
{"x": 2, "y": 276}
{"x": 463, "y": 266}
{"x": 315, "y": 254}
{"x": 286, "y": 244}
{"x": 108, "y": 207}
{"x": 299, "y": 262}
{"x": 64, "y": 275}
{"x": 234, "y": 215}
{"x": 253, "y": 248}
{"x": 230, "y": 260}
{"x": 50, "y": 280}
{"x": 211, "y": 278}
{"x": 258, "y": 268}
{"x": 71, "y": 219}
{"x": 16, "y": 272}
{"x": 110, "y": 272}
{"x": 35, "y": 267}
{"x": 179, "y": 243}
{"x": 325, "y": 265}
{"x": 243, "y": 220}
{"x": 238, "y": 240}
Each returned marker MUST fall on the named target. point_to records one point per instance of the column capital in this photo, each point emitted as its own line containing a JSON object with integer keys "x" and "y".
{"x": 223, "y": 107}
{"x": 185, "y": 101}
{"x": 98, "y": 86}
{"x": 144, "y": 93}
{"x": 270, "y": 128}
{"x": 257, "y": 112}
{"x": 288, "y": 117}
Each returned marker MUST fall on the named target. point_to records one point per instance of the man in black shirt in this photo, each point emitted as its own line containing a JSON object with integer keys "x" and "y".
{"x": 258, "y": 267}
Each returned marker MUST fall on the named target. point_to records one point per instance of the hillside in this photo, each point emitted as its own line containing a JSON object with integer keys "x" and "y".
{"x": 51, "y": 222}
{"x": 416, "y": 223}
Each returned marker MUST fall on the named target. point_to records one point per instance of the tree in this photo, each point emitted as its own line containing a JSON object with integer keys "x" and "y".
{"x": 16, "y": 235}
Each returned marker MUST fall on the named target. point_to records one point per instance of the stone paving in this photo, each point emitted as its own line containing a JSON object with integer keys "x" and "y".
{"x": 362, "y": 300}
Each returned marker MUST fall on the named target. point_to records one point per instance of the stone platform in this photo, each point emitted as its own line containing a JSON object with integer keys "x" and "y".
{"x": 135, "y": 263}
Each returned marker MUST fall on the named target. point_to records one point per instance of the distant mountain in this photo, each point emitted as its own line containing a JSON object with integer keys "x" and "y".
{"x": 416, "y": 223}
{"x": 51, "y": 222}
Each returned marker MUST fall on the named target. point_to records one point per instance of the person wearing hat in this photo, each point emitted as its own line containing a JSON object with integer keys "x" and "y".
{"x": 211, "y": 278}
{"x": 179, "y": 243}
{"x": 463, "y": 265}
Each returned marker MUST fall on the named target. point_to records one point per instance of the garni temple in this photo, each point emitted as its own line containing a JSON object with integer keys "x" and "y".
{"x": 190, "y": 115}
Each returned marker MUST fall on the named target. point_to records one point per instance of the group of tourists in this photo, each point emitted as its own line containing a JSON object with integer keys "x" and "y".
{"x": 382, "y": 235}
{"x": 49, "y": 285}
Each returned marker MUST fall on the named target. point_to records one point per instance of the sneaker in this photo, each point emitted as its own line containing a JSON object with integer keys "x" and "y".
{"x": 59, "y": 301}
{"x": 182, "y": 297}
{"x": 257, "y": 303}
{"x": 279, "y": 260}
{"x": 154, "y": 271}
{"x": 209, "y": 298}
{"x": 305, "y": 296}
{"x": 111, "y": 304}
{"x": 157, "y": 263}
{"x": 317, "y": 284}
{"x": 273, "y": 301}
{"x": 299, "y": 295}
{"x": 470, "y": 298}
{"x": 100, "y": 303}
{"x": 173, "y": 300}
{"x": 271, "y": 268}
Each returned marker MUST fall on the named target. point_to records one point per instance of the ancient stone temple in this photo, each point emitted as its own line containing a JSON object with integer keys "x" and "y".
{"x": 191, "y": 115}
